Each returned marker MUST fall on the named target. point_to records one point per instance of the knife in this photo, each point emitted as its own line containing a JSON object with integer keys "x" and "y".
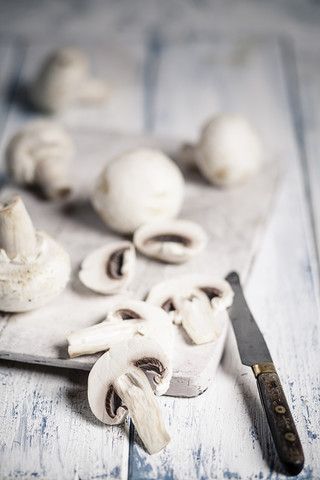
{"x": 254, "y": 353}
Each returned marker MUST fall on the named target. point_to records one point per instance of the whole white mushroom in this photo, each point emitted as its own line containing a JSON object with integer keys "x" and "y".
{"x": 39, "y": 154}
{"x": 228, "y": 151}
{"x": 64, "y": 80}
{"x": 138, "y": 187}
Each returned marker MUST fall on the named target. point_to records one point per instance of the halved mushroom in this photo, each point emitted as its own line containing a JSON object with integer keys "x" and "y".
{"x": 34, "y": 268}
{"x": 129, "y": 318}
{"x": 39, "y": 154}
{"x": 174, "y": 241}
{"x": 110, "y": 268}
{"x": 194, "y": 301}
{"x": 118, "y": 384}
{"x": 64, "y": 80}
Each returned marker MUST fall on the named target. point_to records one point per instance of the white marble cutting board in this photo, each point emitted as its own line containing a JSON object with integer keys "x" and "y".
{"x": 233, "y": 219}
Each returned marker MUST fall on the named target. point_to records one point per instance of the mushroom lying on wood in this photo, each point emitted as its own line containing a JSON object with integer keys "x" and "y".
{"x": 130, "y": 318}
{"x": 39, "y": 154}
{"x": 194, "y": 301}
{"x": 64, "y": 80}
{"x": 109, "y": 269}
{"x": 138, "y": 187}
{"x": 34, "y": 268}
{"x": 117, "y": 385}
{"x": 173, "y": 241}
{"x": 228, "y": 151}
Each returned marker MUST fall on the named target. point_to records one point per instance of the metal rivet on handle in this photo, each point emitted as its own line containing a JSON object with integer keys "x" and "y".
{"x": 290, "y": 436}
{"x": 280, "y": 409}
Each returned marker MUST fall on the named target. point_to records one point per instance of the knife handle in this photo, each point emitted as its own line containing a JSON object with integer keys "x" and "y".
{"x": 283, "y": 429}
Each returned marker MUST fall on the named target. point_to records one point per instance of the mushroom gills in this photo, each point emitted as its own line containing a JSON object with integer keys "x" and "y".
{"x": 109, "y": 269}
{"x": 175, "y": 241}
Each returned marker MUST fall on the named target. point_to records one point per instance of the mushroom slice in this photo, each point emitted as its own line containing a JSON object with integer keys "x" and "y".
{"x": 130, "y": 318}
{"x": 195, "y": 302}
{"x": 117, "y": 385}
{"x": 109, "y": 269}
{"x": 34, "y": 268}
{"x": 174, "y": 241}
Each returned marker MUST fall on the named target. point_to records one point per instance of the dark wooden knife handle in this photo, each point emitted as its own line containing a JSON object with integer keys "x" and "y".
{"x": 283, "y": 429}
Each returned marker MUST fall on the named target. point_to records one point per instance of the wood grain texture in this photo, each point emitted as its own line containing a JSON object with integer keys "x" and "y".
{"x": 222, "y": 433}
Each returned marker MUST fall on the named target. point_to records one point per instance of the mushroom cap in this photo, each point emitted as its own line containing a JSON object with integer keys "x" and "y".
{"x": 110, "y": 268}
{"x": 30, "y": 282}
{"x": 35, "y": 143}
{"x": 229, "y": 150}
{"x": 59, "y": 79}
{"x": 136, "y": 353}
{"x": 172, "y": 241}
{"x": 138, "y": 187}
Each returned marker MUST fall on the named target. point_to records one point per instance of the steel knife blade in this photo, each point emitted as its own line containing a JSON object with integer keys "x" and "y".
{"x": 254, "y": 353}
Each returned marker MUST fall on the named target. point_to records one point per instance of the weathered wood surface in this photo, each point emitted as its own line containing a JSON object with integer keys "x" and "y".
{"x": 233, "y": 220}
{"x": 222, "y": 433}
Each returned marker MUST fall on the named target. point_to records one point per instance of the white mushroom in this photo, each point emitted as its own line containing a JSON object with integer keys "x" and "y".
{"x": 64, "y": 80}
{"x": 228, "y": 151}
{"x": 110, "y": 268}
{"x": 117, "y": 385}
{"x": 34, "y": 268}
{"x": 129, "y": 318}
{"x": 195, "y": 302}
{"x": 172, "y": 241}
{"x": 39, "y": 154}
{"x": 138, "y": 187}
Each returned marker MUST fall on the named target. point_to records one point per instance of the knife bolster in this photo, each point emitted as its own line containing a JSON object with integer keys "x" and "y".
{"x": 266, "y": 367}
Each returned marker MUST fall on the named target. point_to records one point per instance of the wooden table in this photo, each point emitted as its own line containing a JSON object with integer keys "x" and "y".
{"x": 173, "y": 64}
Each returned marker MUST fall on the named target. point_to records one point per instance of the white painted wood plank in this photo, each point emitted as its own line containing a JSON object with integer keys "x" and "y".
{"x": 232, "y": 218}
{"x": 308, "y": 106}
{"x": 49, "y": 431}
{"x": 223, "y": 433}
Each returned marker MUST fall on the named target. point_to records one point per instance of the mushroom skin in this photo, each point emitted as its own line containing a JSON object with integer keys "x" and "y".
{"x": 109, "y": 269}
{"x": 194, "y": 301}
{"x": 124, "y": 321}
{"x": 117, "y": 385}
{"x": 138, "y": 187}
{"x": 39, "y": 154}
{"x": 229, "y": 150}
{"x": 34, "y": 268}
{"x": 172, "y": 241}
{"x": 63, "y": 80}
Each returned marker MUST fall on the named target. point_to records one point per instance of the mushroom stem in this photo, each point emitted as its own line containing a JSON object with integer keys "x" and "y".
{"x": 198, "y": 319}
{"x": 51, "y": 175}
{"x": 17, "y": 234}
{"x": 94, "y": 91}
{"x": 136, "y": 393}
{"x": 101, "y": 337}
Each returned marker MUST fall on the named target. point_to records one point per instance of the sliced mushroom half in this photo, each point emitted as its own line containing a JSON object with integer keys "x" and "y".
{"x": 118, "y": 384}
{"x": 195, "y": 302}
{"x": 174, "y": 241}
{"x": 129, "y": 318}
{"x": 109, "y": 269}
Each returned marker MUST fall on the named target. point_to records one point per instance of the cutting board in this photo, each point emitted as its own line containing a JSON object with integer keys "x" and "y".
{"x": 233, "y": 218}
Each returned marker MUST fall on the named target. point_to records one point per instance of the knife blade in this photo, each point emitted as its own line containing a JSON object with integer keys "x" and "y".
{"x": 254, "y": 353}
